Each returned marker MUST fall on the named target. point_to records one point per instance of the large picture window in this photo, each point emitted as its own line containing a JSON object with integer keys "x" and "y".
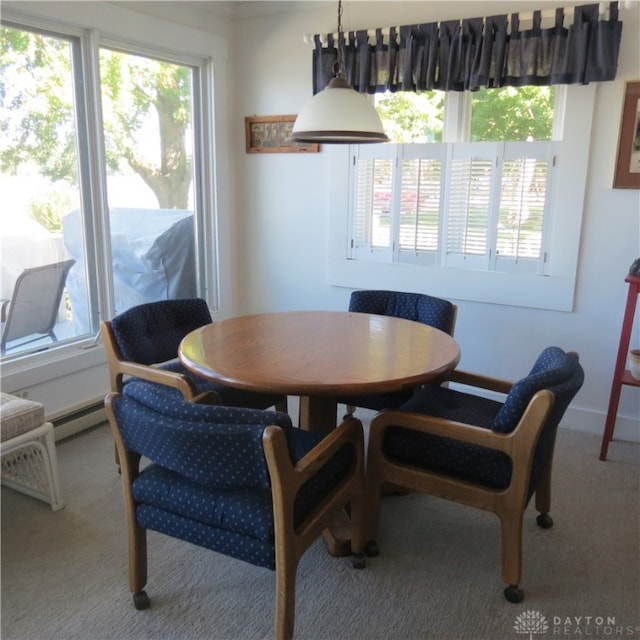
{"x": 102, "y": 162}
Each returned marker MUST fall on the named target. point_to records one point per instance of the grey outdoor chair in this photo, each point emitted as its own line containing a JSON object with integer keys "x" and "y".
{"x": 32, "y": 311}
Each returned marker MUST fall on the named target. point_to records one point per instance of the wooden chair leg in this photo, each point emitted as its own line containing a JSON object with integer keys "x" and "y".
{"x": 286, "y": 569}
{"x": 512, "y": 555}
{"x": 543, "y": 492}
{"x": 371, "y": 516}
{"x": 137, "y": 558}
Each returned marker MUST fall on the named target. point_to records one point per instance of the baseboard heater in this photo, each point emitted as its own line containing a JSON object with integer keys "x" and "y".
{"x": 78, "y": 418}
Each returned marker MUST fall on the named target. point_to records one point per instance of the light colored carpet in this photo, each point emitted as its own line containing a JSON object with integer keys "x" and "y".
{"x": 64, "y": 574}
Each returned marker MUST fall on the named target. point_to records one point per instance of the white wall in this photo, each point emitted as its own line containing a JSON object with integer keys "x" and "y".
{"x": 275, "y": 211}
{"x": 283, "y": 215}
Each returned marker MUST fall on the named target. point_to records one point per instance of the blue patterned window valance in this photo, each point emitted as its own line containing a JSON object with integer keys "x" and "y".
{"x": 469, "y": 54}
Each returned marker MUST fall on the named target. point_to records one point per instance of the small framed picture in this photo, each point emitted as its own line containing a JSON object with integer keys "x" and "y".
{"x": 627, "y": 174}
{"x": 270, "y": 134}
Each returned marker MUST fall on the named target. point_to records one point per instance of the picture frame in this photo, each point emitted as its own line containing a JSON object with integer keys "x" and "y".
{"x": 269, "y": 134}
{"x": 627, "y": 174}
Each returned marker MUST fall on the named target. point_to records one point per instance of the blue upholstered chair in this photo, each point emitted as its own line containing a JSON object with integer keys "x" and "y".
{"x": 429, "y": 310}
{"x": 478, "y": 451}
{"x": 143, "y": 342}
{"x": 242, "y": 482}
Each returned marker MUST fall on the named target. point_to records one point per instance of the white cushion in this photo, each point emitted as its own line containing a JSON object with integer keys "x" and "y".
{"x": 17, "y": 416}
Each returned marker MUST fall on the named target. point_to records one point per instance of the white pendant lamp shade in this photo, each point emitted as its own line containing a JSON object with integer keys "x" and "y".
{"x": 338, "y": 115}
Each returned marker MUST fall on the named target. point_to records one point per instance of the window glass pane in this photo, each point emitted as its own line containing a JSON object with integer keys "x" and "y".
{"x": 420, "y": 204}
{"x": 412, "y": 117}
{"x": 148, "y": 133}
{"x": 39, "y": 181}
{"x": 522, "y": 201}
{"x": 373, "y": 203}
{"x": 512, "y": 113}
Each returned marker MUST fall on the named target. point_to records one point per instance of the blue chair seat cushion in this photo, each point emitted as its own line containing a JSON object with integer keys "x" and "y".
{"x": 455, "y": 405}
{"x": 243, "y": 510}
{"x": 235, "y": 521}
{"x": 232, "y": 544}
{"x": 458, "y": 459}
{"x": 378, "y": 402}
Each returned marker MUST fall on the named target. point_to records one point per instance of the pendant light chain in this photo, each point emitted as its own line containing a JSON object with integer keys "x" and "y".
{"x": 338, "y": 114}
{"x": 339, "y": 68}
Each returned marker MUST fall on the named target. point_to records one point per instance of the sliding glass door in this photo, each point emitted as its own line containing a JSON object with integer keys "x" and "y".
{"x": 102, "y": 156}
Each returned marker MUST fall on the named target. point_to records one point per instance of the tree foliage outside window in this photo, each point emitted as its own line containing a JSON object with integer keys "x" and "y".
{"x": 412, "y": 116}
{"x": 36, "y": 103}
{"x": 512, "y": 113}
{"x": 505, "y": 114}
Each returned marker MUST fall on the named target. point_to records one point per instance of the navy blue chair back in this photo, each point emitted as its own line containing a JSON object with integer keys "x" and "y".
{"x": 555, "y": 370}
{"x": 228, "y": 479}
{"x": 151, "y": 333}
{"x": 420, "y": 307}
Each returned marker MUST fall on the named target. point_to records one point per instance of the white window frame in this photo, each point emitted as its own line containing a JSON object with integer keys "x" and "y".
{"x": 553, "y": 287}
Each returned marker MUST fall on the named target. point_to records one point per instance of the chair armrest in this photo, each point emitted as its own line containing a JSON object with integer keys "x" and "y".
{"x": 480, "y": 381}
{"x": 288, "y": 479}
{"x": 168, "y": 378}
{"x": 513, "y": 443}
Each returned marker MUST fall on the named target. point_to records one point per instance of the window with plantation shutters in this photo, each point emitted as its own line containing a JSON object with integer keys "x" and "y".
{"x": 490, "y": 210}
{"x": 466, "y": 205}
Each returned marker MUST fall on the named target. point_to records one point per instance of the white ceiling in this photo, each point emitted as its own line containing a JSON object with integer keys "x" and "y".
{"x": 251, "y": 8}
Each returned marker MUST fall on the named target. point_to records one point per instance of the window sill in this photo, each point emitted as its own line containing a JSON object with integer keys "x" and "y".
{"x": 519, "y": 290}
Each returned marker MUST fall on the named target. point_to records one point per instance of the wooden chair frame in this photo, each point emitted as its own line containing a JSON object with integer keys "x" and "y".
{"x": 286, "y": 480}
{"x": 508, "y": 504}
{"x": 119, "y": 368}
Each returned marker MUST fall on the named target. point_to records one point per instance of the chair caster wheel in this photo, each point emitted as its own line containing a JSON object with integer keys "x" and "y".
{"x": 514, "y": 594}
{"x": 544, "y": 521}
{"x": 358, "y": 561}
{"x": 141, "y": 600}
{"x": 371, "y": 549}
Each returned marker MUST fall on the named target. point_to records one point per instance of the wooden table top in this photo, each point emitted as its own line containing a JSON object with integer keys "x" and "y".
{"x": 319, "y": 353}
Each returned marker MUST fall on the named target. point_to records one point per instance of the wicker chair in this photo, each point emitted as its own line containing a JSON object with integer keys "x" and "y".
{"x": 29, "y": 462}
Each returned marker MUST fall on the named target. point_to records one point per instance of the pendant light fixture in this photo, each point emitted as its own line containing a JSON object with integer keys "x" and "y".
{"x": 338, "y": 114}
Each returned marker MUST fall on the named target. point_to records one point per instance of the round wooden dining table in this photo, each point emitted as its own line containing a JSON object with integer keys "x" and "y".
{"x": 319, "y": 356}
